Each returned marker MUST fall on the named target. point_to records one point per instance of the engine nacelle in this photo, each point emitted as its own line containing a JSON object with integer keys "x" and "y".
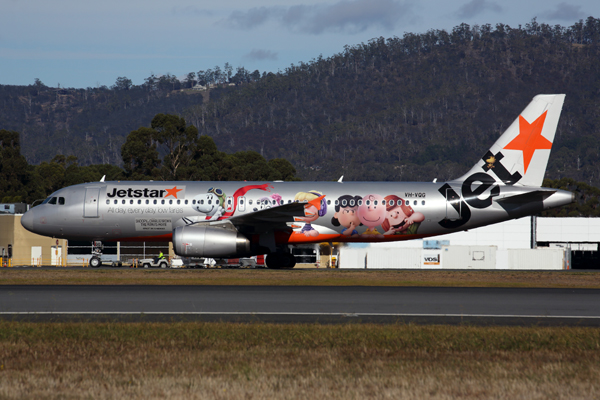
{"x": 209, "y": 241}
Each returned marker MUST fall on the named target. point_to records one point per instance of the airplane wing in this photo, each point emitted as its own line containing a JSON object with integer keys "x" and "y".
{"x": 275, "y": 218}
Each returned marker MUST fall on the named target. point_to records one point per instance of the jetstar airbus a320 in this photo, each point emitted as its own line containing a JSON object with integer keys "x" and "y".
{"x": 234, "y": 219}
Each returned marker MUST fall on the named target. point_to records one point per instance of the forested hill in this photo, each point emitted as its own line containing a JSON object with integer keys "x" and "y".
{"x": 419, "y": 107}
{"x": 90, "y": 123}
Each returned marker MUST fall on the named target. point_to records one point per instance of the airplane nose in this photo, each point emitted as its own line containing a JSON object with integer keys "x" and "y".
{"x": 27, "y": 221}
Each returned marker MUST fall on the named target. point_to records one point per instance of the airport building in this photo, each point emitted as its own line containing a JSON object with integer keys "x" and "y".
{"x": 526, "y": 243}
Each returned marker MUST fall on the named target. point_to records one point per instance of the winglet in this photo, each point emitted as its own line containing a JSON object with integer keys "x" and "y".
{"x": 317, "y": 202}
{"x": 103, "y": 177}
{"x": 341, "y": 179}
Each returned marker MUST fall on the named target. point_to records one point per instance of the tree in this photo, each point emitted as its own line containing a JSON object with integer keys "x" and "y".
{"x": 176, "y": 139}
{"x": 122, "y": 83}
{"x": 190, "y": 80}
{"x": 139, "y": 154}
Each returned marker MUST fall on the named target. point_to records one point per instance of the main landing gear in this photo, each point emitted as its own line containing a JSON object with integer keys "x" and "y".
{"x": 280, "y": 260}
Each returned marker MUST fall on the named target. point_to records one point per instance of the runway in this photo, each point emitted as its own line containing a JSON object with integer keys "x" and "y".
{"x": 426, "y": 305}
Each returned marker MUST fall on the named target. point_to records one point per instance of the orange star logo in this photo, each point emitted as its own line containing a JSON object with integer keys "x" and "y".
{"x": 173, "y": 192}
{"x": 530, "y": 139}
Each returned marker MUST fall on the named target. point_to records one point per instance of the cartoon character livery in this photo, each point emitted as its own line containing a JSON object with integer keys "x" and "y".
{"x": 235, "y": 219}
{"x": 210, "y": 203}
{"x": 311, "y": 211}
{"x": 401, "y": 219}
{"x": 346, "y": 215}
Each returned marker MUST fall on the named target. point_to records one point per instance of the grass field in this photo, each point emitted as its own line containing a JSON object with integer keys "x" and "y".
{"x": 297, "y": 361}
{"x": 262, "y": 361}
{"x": 328, "y": 277}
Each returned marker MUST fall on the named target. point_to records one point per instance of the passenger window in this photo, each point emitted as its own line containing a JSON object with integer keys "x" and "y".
{"x": 375, "y": 202}
{"x": 162, "y": 202}
{"x": 131, "y": 201}
{"x": 392, "y": 203}
{"x": 383, "y": 202}
{"x": 250, "y": 201}
{"x": 344, "y": 203}
{"x": 123, "y": 201}
{"x": 178, "y": 201}
{"x": 107, "y": 201}
{"x": 241, "y": 202}
{"x": 415, "y": 203}
{"x": 337, "y": 203}
{"x": 154, "y": 201}
{"x": 193, "y": 201}
{"x": 139, "y": 202}
{"x": 368, "y": 202}
{"x": 351, "y": 202}
{"x": 328, "y": 202}
{"x": 360, "y": 202}
{"x": 186, "y": 202}
{"x": 281, "y": 202}
{"x": 170, "y": 201}
{"x": 423, "y": 202}
{"x": 202, "y": 201}
{"x": 147, "y": 201}
{"x": 116, "y": 202}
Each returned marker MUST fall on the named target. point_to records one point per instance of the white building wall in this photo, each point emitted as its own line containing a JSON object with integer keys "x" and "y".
{"x": 469, "y": 257}
{"x": 568, "y": 229}
{"x": 542, "y": 259}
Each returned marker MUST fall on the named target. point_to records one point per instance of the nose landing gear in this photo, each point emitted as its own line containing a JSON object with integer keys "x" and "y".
{"x": 96, "y": 260}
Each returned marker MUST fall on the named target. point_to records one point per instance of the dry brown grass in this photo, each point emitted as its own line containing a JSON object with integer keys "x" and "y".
{"x": 231, "y": 361}
{"x": 332, "y": 277}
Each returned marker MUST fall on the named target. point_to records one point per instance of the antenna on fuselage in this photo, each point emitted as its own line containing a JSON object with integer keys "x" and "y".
{"x": 341, "y": 178}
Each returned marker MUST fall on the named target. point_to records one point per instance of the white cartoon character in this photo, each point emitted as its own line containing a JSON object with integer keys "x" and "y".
{"x": 210, "y": 204}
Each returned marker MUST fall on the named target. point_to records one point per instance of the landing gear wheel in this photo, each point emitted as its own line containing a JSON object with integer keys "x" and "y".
{"x": 95, "y": 262}
{"x": 280, "y": 260}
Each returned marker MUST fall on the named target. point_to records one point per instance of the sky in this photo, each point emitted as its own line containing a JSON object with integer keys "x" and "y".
{"x": 79, "y": 44}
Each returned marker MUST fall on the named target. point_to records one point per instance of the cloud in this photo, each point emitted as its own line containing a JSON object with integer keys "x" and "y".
{"x": 253, "y": 17}
{"x": 259, "y": 55}
{"x": 564, "y": 12}
{"x": 476, "y": 7}
{"x": 349, "y": 16}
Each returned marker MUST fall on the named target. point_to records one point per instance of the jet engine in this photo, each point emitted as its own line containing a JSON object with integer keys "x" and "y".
{"x": 201, "y": 240}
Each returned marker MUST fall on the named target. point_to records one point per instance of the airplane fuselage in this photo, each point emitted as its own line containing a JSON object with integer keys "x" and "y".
{"x": 149, "y": 211}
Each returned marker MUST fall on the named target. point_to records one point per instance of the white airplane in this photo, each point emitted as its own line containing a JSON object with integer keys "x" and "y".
{"x": 234, "y": 219}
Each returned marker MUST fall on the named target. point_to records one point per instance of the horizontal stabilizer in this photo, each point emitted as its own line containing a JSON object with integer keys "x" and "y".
{"x": 536, "y": 195}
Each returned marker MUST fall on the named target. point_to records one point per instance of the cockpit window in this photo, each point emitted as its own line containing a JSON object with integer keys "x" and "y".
{"x": 61, "y": 201}
{"x": 52, "y": 200}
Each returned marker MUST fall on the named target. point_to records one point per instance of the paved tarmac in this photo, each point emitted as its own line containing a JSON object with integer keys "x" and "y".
{"x": 426, "y": 305}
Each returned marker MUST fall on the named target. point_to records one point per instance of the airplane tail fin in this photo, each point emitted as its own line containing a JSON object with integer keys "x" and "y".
{"x": 520, "y": 155}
